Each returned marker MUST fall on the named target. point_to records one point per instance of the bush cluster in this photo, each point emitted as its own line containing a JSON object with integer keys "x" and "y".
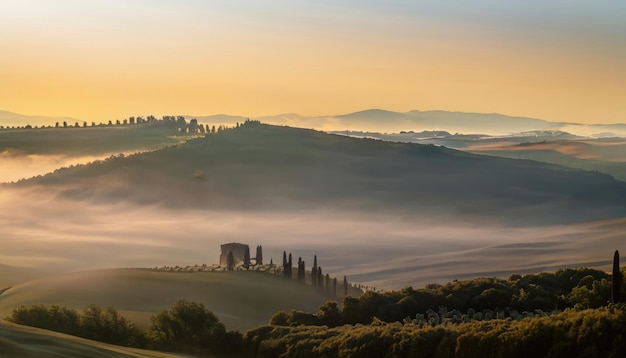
{"x": 186, "y": 327}
{"x": 572, "y": 333}
{"x": 566, "y": 288}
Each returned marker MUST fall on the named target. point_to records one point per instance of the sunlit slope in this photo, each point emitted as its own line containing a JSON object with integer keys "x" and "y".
{"x": 25, "y": 342}
{"x": 276, "y": 168}
{"x": 604, "y": 155}
{"x": 86, "y": 141}
{"x": 11, "y": 275}
{"x": 241, "y": 300}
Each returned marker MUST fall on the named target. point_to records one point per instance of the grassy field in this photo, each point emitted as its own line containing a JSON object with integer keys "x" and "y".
{"x": 241, "y": 300}
{"x": 28, "y": 342}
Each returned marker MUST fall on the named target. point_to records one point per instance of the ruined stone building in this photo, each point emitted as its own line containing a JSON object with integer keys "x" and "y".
{"x": 239, "y": 251}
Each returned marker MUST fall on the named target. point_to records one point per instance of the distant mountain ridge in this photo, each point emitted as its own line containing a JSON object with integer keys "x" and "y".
{"x": 384, "y": 121}
{"x": 442, "y": 120}
{"x": 8, "y": 119}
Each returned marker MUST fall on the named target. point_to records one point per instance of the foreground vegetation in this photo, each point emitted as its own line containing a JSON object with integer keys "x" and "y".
{"x": 516, "y": 297}
{"x": 580, "y": 322}
{"x": 186, "y": 327}
{"x": 585, "y": 333}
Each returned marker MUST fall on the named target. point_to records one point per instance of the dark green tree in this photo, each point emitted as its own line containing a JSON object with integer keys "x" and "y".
{"x": 617, "y": 279}
{"x": 327, "y": 285}
{"x": 329, "y": 314}
{"x": 289, "y": 267}
{"x": 314, "y": 272}
{"x": 320, "y": 278}
{"x": 186, "y": 327}
{"x": 301, "y": 270}
{"x": 246, "y": 258}
{"x": 345, "y": 285}
{"x": 259, "y": 255}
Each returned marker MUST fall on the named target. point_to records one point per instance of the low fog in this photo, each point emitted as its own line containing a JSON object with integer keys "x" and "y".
{"x": 16, "y": 165}
{"x": 42, "y": 230}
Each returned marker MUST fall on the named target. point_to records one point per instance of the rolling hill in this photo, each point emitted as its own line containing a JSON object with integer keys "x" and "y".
{"x": 81, "y": 141}
{"x": 263, "y": 167}
{"x": 605, "y": 155}
{"x": 241, "y": 300}
{"x": 29, "y": 342}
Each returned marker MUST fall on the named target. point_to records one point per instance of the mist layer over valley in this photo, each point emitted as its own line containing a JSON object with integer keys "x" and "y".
{"x": 385, "y": 250}
{"x": 385, "y": 214}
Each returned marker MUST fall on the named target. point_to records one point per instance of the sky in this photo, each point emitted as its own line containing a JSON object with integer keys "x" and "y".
{"x": 99, "y": 60}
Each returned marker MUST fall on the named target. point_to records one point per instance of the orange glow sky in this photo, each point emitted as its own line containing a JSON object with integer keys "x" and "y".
{"x": 100, "y": 60}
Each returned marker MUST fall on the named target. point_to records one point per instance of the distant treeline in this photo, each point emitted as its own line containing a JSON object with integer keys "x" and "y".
{"x": 324, "y": 283}
{"x": 178, "y": 122}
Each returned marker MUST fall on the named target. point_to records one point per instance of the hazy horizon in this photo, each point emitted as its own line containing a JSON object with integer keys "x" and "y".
{"x": 106, "y": 60}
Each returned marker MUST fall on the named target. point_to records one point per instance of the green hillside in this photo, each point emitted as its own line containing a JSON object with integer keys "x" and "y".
{"x": 241, "y": 300}
{"x": 89, "y": 140}
{"x": 28, "y": 342}
{"x": 281, "y": 168}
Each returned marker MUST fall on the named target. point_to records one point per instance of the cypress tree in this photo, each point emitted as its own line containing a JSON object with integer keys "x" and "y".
{"x": 298, "y": 275}
{"x": 284, "y": 263}
{"x": 259, "y": 255}
{"x": 327, "y": 288}
{"x": 345, "y": 286}
{"x": 314, "y": 272}
{"x": 289, "y": 266}
{"x": 334, "y": 293}
{"x": 617, "y": 279}
{"x": 301, "y": 271}
{"x": 246, "y": 258}
{"x": 320, "y": 278}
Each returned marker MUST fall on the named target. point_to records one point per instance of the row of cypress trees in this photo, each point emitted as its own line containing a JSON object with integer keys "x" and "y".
{"x": 318, "y": 280}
